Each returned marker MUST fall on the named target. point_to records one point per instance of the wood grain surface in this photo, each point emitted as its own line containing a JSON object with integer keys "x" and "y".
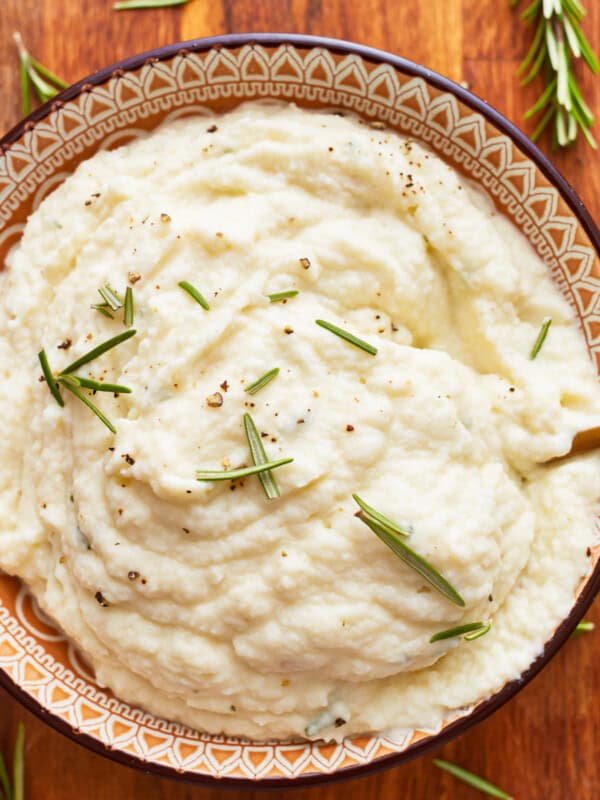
{"x": 543, "y": 744}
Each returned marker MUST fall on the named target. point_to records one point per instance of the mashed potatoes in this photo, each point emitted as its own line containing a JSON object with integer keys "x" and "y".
{"x": 209, "y": 602}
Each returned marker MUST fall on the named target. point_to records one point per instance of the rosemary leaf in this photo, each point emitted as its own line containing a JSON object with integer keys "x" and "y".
{"x": 72, "y": 384}
{"x": 25, "y": 98}
{"x": 349, "y": 337}
{"x": 99, "y": 386}
{"x": 129, "y": 310}
{"x": 412, "y": 559}
{"x": 104, "y": 309}
{"x": 50, "y": 381}
{"x": 452, "y": 633}
{"x": 470, "y": 637}
{"x": 19, "y": 765}
{"x": 259, "y": 456}
{"x": 130, "y": 5}
{"x": 244, "y": 472}
{"x": 262, "y": 381}
{"x": 111, "y": 298}
{"x": 45, "y": 72}
{"x": 541, "y": 338}
{"x": 98, "y": 351}
{"x": 380, "y": 518}
{"x": 4, "y": 781}
{"x": 583, "y": 627}
{"x": 193, "y": 292}
{"x": 277, "y": 297}
{"x": 472, "y": 780}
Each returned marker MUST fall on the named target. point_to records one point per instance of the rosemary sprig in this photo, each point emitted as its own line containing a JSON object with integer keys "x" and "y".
{"x": 236, "y": 474}
{"x": 129, "y": 5}
{"x": 193, "y": 292}
{"x": 52, "y": 385}
{"x": 262, "y": 381}
{"x": 541, "y": 338}
{"x": 98, "y": 351}
{"x": 277, "y": 297}
{"x": 45, "y": 83}
{"x": 349, "y": 337}
{"x": 411, "y": 558}
{"x": 259, "y": 456}
{"x": 380, "y": 518}
{"x": 472, "y": 780}
{"x": 583, "y": 627}
{"x": 460, "y": 630}
{"x": 129, "y": 309}
{"x": 557, "y": 42}
{"x": 72, "y": 384}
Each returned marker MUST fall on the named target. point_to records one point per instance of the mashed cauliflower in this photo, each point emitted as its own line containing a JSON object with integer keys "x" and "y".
{"x": 207, "y": 602}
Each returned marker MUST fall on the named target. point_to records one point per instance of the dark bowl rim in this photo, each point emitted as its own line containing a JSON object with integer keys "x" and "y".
{"x": 592, "y": 585}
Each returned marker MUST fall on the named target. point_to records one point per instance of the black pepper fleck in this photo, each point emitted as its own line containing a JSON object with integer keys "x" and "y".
{"x": 133, "y": 575}
{"x": 101, "y": 599}
{"x": 64, "y": 345}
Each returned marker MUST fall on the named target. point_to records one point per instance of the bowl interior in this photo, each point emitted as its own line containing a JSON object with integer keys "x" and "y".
{"x": 119, "y": 104}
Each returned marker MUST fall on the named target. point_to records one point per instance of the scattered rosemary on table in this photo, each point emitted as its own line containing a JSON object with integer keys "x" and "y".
{"x": 46, "y": 84}
{"x": 541, "y": 338}
{"x": 394, "y": 541}
{"x": 471, "y": 630}
{"x": 193, "y": 292}
{"x": 557, "y": 42}
{"x": 259, "y": 456}
{"x": 261, "y": 382}
{"x": 16, "y": 790}
{"x": 472, "y": 780}
{"x": 74, "y": 383}
{"x": 349, "y": 337}
{"x": 278, "y": 297}
{"x": 130, "y": 5}
{"x": 243, "y": 472}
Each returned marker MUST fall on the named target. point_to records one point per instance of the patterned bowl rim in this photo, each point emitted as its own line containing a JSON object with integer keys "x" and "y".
{"x": 529, "y": 149}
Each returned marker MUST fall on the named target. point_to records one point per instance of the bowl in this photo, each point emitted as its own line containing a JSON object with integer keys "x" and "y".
{"x": 38, "y": 664}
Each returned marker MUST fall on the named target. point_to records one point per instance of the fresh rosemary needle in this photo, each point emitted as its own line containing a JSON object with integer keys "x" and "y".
{"x": 583, "y": 627}
{"x": 472, "y": 780}
{"x": 104, "y": 309}
{"x": 18, "y": 792}
{"x": 4, "y": 781}
{"x": 111, "y": 298}
{"x": 236, "y": 474}
{"x": 129, "y": 310}
{"x": 277, "y": 297}
{"x": 378, "y": 517}
{"x": 73, "y": 385}
{"x": 100, "y": 386}
{"x": 411, "y": 558}
{"x": 541, "y": 338}
{"x": 130, "y": 5}
{"x": 98, "y": 351}
{"x": 259, "y": 456}
{"x": 460, "y": 630}
{"x": 50, "y": 380}
{"x": 262, "y": 381}
{"x": 193, "y": 292}
{"x": 349, "y": 337}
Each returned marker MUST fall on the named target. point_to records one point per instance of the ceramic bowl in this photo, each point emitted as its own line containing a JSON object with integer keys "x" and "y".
{"x": 37, "y": 663}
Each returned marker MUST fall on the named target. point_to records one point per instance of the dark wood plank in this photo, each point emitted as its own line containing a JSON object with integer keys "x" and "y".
{"x": 544, "y": 743}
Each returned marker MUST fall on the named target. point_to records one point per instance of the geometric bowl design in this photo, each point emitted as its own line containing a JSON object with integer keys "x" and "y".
{"x": 37, "y": 662}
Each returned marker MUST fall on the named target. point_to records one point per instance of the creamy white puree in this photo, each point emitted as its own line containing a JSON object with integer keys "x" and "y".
{"x": 255, "y": 616}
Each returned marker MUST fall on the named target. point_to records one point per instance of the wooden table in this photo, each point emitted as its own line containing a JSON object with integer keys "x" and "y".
{"x": 543, "y": 743}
